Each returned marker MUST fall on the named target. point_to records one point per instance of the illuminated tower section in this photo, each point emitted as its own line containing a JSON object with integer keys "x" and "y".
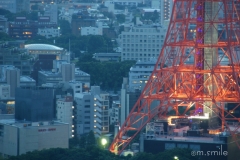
{"x": 210, "y": 58}
{"x": 197, "y": 73}
{"x": 206, "y": 58}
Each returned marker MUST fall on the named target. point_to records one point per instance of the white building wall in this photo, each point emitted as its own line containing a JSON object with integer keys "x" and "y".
{"x": 139, "y": 74}
{"x": 65, "y": 114}
{"x": 4, "y": 91}
{"x": 19, "y": 138}
{"x": 91, "y": 31}
{"x": 88, "y": 114}
{"x": 105, "y": 112}
{"x": 51, "y": 10}
{"x": 50, "y": 137}
{"x": 114, "y": 112}
{"x": 98, "y": 115}
{"x": 49, "y": 32}
{"x": 165, "y": 10}
{"x": 141, "y": 43}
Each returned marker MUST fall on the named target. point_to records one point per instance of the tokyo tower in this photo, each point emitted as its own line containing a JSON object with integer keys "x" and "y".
{"x": 196, "y": 74}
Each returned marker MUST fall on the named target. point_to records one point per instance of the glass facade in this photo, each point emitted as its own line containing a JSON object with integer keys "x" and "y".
{"x": 34, "y": 104}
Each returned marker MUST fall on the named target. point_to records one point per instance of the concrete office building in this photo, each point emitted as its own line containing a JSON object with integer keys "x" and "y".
{"x": 114, "y": 112}
{"x": 88, "y": 114}
{"x": 139, "y": 74}
{"x": 123, "y": 2}
{"x": 49, "y": 32}
{"x": 18, "y": 137}
{"x": 103, "y": 98}
{"x": 13, "y": 79}
{"x": 4, "y": 91}
{"x": 56, "y": 77}
{"x": 22, "y": 28}
{"x": 85, "y": 31}
{"x": 64, "y": 108}
{"x": 14, "y": 6}
{"x": 79, "y": 87}
{"x": 51, "y": 10}
{"x": 92, "y": 112}
{"x": 128, "y": 100}
{"x": 14, "y": 57}
{"x": 68, "y": 72}
{"x": 107, "y": 56}
{"x": 11, "y": 76}
{"x": 165, "y": 7}
{"x": 141, "y": 42}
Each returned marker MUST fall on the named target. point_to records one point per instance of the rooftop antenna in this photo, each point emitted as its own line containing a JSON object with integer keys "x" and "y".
{"x": 69, "y": 46}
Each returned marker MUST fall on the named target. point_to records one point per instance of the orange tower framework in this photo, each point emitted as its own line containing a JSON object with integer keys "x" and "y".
{"x": 197, "y": 72}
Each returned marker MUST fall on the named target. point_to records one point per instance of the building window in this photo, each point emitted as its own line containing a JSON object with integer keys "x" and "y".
{"x": 87, "y": 106}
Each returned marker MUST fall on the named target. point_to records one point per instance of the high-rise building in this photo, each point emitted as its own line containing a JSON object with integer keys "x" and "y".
{"x": 86, "y": 119}
{"x": 128, "y": 99}
{"x": 103, "y": 98}
{"x": 141, "y": 42}
{"x": 165, "y": 10}
{"x": 11, "y": 76}
{"x": 64, "y": 107}
{"x": 114, "y": 113}
{"x": 68, "y": 72}
{"x": 139, "y": 74}
{"x": 51, "y": 10}
{"x": 14, "y": 6}
{"x": 34, "y": 104}
{"x": 92, "y": 112}
{"x": 13, "y": 79}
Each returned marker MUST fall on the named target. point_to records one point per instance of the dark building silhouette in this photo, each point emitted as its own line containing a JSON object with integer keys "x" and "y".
{"x": 34, "y": 104}
{"x": 82, "y": 20}
{"x": 44, "y": 62}
{"x": 22, "y": 28}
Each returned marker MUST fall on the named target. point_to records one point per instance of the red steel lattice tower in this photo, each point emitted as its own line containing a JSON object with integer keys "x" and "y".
{"x": 197, "y": 71}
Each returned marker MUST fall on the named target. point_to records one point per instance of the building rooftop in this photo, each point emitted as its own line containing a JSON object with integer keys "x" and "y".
{"x": 26, "y": 79}
{"x": 42, "y": 47}
{"x": 50, "y": 73}
{"x": 28, "y": 124}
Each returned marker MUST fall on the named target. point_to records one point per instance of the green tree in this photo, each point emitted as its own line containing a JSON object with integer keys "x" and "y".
{"x": 155, "y": 16}
{"x": 119, "y": 6}
{"x": 73, "y": 142}
{"x": 34, "y": 7}
{"x": 120, "y": 18}
{"x": 91, "y": 140}
{"x": 10, "y": 16}
{"x": 82, "y": 142}
{"x": 4, "y": 37}
{"x": 102, "y": 73}
{"x": 65, "y": 27}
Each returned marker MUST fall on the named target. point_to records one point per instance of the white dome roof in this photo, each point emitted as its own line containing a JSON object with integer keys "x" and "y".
{"x": 42, "y": 47}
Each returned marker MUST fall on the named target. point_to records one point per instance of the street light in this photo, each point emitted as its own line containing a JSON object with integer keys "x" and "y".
{"x": 176, "y": 158}
{"x": 104, "y": 142}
